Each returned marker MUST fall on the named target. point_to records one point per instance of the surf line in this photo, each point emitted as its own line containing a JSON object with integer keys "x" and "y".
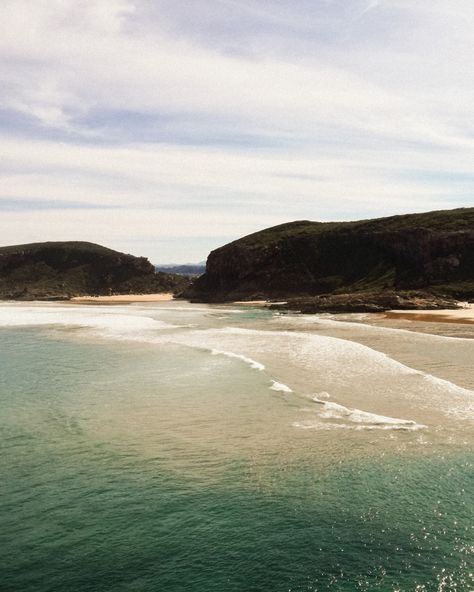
{"x": 252, "y": 363}
{"x": 275, "y": 385}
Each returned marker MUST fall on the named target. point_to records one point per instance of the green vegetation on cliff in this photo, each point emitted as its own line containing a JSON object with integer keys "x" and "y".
{"x": 55, "y": 270}
{"x": 432, "y": 252}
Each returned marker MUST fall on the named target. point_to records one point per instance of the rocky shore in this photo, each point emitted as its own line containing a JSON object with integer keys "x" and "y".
{"x": 367, "y": 302}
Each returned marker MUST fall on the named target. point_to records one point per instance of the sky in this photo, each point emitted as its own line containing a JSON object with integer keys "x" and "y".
{"x": 167, "y": 128}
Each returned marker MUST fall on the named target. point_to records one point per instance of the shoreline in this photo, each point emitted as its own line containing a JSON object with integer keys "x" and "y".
{"x": 464, "y": 315}
{"x": 122, "y": 298}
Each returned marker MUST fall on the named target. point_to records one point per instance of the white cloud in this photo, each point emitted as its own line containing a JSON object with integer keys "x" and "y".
{"x": 87, "y": 60}
{"x": 366, "y": 115}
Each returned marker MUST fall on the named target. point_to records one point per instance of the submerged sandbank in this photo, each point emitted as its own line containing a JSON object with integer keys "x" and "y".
{"x": 122, "y": 298}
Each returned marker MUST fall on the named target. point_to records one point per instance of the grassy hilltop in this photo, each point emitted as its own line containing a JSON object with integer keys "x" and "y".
{"x": 431, "y": 252}
{"x": 56, "y": 270}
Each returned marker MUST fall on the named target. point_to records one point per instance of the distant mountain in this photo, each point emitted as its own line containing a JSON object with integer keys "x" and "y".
{"x": 431, "y": 252}
{"x": 57, "y": 270}
{"x": 189, "y": 269}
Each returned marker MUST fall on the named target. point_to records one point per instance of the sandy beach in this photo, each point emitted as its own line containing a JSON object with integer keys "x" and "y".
{"x": 464, "y": 314}
{"x": 251, "y": 302}
{"x": 122, "y": 298}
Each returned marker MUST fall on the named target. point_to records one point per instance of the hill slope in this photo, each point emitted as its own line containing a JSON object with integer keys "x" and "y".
{"x": 433, "y": 252}
{"x": 55, "y": 270}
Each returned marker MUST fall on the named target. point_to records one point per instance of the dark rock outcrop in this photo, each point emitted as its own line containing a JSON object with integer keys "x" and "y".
{"x": 59, "y": 270}
{"x": 432, "y": 252}
{"x": 366, "y": 302}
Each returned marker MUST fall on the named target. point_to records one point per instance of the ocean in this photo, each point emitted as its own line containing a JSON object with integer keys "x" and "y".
{"x": 176, "y": 447}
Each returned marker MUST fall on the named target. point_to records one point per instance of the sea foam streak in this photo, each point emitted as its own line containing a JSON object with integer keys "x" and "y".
{"x": 319, "y": 425}
{"x": 279, "y": 386}
{"x": 252, "y": 363}
{"x": 333, "y": 410}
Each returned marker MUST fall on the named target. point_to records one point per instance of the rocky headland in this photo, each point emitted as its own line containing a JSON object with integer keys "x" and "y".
{"x": 412, "y": 261}
{"x": 61, "y": 270}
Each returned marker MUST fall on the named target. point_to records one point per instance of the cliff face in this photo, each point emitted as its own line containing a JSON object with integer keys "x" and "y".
{"x": 63, "y": 269}
{"x": 432, "y": 252}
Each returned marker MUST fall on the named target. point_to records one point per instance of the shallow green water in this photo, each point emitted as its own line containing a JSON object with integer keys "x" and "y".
{"x": 127, "y": 467}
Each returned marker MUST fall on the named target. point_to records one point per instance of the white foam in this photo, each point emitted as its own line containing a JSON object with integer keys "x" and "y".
{"x": 462, "y": 406}
{"x": 333, "y": 410}
{"x": 104, "y": 323}
{"x": 252, "y": 363}
{"x": 319, "y": 425}
{"x": 322, "y": 395}
{"x": 279, "y": 386}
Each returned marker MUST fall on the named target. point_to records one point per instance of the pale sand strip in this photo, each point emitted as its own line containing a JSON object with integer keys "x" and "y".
{"x": 122, "y": 298}
{"x": 250, "y": 302}
{"x": 463, "y": 315}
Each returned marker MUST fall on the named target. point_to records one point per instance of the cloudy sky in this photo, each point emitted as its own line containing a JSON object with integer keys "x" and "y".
{"x": 166, "y": 128}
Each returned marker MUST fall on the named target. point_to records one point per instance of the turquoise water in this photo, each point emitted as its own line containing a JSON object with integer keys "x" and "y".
{"x": 134, "y": 465}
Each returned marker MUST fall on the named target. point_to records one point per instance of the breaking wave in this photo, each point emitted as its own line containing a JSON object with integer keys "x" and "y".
{"x": 252, "y": 363}
{"x": 365, "y": 419}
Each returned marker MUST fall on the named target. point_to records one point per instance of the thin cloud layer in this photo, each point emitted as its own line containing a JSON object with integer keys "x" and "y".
{"x": 175, "y": 126}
